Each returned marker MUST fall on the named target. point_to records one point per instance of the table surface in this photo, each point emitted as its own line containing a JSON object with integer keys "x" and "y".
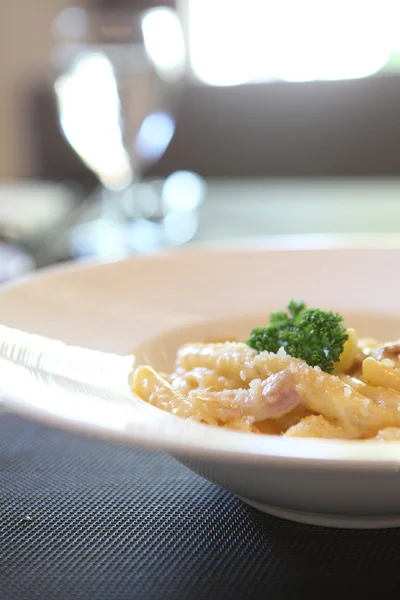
{"x": 84, "y": 520}
{"x": 241, "y": 209}
{"x": 232, "y": 209}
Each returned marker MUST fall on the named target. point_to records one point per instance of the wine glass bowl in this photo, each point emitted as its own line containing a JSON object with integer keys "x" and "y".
{"x": 118, "y": 80}
{"x": 117, "y": 88}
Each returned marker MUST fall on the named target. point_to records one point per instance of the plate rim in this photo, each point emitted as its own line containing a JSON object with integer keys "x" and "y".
{"x": 335, "y": 453}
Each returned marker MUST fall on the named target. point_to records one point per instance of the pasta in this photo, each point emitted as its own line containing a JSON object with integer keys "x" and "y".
{"x": 231, "y": 385}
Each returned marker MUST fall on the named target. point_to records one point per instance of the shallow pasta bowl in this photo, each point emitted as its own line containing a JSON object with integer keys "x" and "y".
{"x": 151, "y": 305}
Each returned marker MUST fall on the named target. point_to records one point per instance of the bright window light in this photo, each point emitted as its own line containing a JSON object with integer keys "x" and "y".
{"x": 233, "y": 42}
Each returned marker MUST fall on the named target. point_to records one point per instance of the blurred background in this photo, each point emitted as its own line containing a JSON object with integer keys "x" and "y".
{"x": 130, "y": 126}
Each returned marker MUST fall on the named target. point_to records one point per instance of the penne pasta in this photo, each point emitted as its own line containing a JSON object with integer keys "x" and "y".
{"x": 230, "y": 359}
{"x": 231, "y": 385}
{"x": 389, "y": 434}
{"x": 349, "y": 353}
{"x": 315, "y": 426}
{"x": 379, "y": 374}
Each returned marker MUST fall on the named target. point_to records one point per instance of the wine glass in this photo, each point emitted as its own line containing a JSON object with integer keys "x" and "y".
{"x": 119, "y": 75}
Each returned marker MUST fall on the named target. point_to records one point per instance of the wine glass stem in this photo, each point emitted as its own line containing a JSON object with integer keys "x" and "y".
{"x": 111, "y": 200}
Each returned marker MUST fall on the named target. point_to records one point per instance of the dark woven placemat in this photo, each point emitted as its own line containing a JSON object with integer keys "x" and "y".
{"x": 86, "y": 520}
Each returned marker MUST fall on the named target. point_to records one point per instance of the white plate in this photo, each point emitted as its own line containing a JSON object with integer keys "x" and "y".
{"x": 151, "y": 304}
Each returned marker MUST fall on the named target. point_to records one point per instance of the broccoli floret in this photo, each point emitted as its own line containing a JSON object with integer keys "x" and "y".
{"x": 313, "y": 334}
